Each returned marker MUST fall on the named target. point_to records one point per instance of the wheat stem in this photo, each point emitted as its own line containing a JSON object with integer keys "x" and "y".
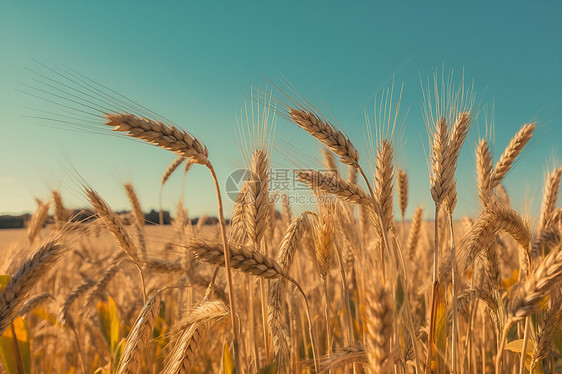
{"x": 524, "y": 348}
{"x": 227, "y": 266}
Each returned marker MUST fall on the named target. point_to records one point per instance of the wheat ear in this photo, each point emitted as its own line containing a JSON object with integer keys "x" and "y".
{"x": 550, "y": 198}
{"x": 548, "y": 329}
{"x": 135, "y": 204}
{"x": 64, "y": 314}
{"x": 414, "y": 235}
{"x": 139, "y": 336}
{"x": 324, "y": 131}
{"x": 114, "y": 224}
{"x": 458, "y": 136}
{"x": 160, "y": 134}
{"x": 30, "y": 271}
{"x": 492, "y": 219}
{"x": 334, "y": 185}
{"x": 101, "y": 285}
{"x": 349, "y": 354}
{"x": 525, "y": 299}
{"x": 284, "y": 257}
{"x": 549, "y": 236}
{"x": 484, "y": 171}
{"x": 379, "y": 322}
{"x": 241, "y": 258}
{"x": 190, "y": 334}
{"x": 167, "y": 174}
{"x": 384, "y": 178}
{"x": 139, "y": 216}
{"x": 37, "y": 220}
{"x": 171, "y": 168}
{"x": 439, "y": 173}
{"x": 257, "y": 210}
{"x": 330, "y": 162}
{"x": 510, "y": 153}
{"x": 60, "y": 214}
{"x": 402, "y": 191}
{"x": 35, "y": 302}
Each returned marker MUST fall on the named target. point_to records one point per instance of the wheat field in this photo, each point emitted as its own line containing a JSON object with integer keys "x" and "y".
{"x": 348, "y": 286}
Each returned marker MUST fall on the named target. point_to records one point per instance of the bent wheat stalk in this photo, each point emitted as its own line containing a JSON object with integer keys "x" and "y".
{"x": 183, "y": 144}
{"x": 250, "y": 262}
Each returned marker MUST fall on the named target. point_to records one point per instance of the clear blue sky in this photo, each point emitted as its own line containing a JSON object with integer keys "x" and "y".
{"x": 348, "y": 51}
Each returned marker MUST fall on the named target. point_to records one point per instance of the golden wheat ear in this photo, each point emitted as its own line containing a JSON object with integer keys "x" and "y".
{"x": 324, "y": 131}
{"x": 510, "y": 153}
{"x": 402, "y": 191}
{"x": 139, "y": 336}
{"x": 160, "y": 134}
{"x": 28, "y": 274}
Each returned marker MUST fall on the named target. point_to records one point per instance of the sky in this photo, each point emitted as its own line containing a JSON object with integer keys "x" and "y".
{"x": 196, "y": 63}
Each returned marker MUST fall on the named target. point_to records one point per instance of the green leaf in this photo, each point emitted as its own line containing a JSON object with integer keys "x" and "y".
{"x": 4, "y": 279}
{"x": 441, "y": 328}
{"x": 517, "y": 346}
{"x": 269, "y": 369}
{"x": 46, "y": 316}
{"x": 227, "y": 361}
{"x": 8, "y": 352}
{"x": 109, "y": 321}
{"x": 114, "y": 325}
